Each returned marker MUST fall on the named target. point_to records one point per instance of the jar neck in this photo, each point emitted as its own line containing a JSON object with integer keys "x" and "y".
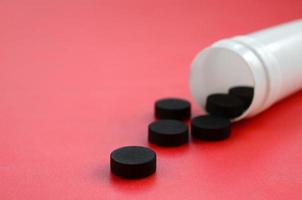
{"x": 263, "y": 95}
{"x": 270, "y": 68}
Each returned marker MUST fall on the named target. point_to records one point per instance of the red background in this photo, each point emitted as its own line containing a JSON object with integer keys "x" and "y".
{"x": 79, "y": 79}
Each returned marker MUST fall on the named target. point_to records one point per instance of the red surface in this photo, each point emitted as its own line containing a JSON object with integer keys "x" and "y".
{"x": 79, "y": 79}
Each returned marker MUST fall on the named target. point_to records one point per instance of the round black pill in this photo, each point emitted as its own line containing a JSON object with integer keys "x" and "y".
{"x": 245, "y": 93}
{"x": 209, "y": 127}
{"x": 224, "y": 105}
{"x": 168, "y": 133}
{"x": 172, "y": 108}
{"x": 133, "y": 162}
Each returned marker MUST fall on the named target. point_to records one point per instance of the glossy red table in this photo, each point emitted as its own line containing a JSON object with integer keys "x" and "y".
{"x": 79, "y": 79}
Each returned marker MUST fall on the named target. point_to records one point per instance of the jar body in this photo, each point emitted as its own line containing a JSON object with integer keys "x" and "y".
{"x": 269, "y": 60}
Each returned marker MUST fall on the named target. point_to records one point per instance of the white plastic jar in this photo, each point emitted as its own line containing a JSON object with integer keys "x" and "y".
{"x": 269, "y": 60}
